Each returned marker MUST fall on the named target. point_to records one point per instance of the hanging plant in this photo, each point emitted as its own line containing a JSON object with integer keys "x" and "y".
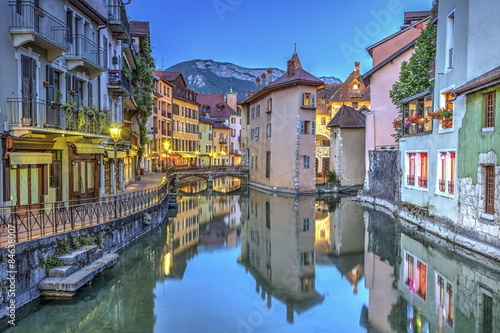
{"x": 69, "y": 109}
{"x": 102, "y": 119}
{"x": 81, "y": 118}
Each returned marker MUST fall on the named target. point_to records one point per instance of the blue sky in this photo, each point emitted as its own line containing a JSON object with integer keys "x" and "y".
{"x": 330, "y": 34}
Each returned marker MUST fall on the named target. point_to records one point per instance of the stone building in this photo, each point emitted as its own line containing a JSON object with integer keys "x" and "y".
{"x": 280, "y": 122}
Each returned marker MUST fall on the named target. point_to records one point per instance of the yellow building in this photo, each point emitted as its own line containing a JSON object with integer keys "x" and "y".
{"x": 206, "y": 142}
{"x": 185, "y": 121}
{"x": 220, "y": 155}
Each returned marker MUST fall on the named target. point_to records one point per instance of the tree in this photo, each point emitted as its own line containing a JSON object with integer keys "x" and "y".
{"x": 415, "y": 75}
{"x": 142, "y": 80}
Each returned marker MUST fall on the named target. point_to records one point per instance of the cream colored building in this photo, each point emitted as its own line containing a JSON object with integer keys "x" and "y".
{"x": 280, "y": 120}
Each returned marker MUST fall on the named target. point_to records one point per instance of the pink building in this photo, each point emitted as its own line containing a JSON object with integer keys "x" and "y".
{"x": 387, "y": 55}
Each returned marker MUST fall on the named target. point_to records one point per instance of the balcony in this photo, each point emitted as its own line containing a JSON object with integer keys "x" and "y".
{"x": 451, "y": 187}
{"x": 41, "y": 116}
{"x": 442, "y": 185}
{"x": 87, "y": 55}
{"x": 163, "y": 132}
{"x": 169, "y": 133}
{"x": 34, "y": 25}
{"x": 118, "y": 22}
{"x": 118, "y": 84}
{"x": 222, "y": 141}
{"x": 422, "y": 182}
{"x": 410, "y": 180}
{"x": 169, "y": 115}
{"x": 164, "y": 113}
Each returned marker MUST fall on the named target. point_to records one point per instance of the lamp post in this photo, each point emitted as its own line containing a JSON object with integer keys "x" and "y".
{"x": 197, "y": 153}
{"x": 167, "y": 150}
{"x": 115, "y": 131}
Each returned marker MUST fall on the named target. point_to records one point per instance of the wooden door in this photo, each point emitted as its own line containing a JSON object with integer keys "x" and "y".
{"x": 28, "y": 184}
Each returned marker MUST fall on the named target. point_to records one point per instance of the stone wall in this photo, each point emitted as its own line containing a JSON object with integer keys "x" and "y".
{"x": 384, "y": 176}
{"x": 29, "y": 255}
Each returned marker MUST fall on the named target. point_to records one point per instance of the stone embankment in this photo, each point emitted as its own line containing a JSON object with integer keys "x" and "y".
{"x": 470, "y": 240}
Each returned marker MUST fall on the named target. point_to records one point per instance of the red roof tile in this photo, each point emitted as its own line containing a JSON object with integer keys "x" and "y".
{"x": 209, "y": 104}
{"x": 347, "y": 117}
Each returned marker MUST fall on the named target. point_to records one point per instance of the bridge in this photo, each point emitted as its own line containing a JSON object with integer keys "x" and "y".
{"x": 209, "y": 173}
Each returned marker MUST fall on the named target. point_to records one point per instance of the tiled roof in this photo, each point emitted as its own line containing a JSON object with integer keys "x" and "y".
{"x": 483, "y": 81}
{"x": 168, "y": 76}
{"x": 209, "y": 103}
{"x": 139, "y": 28}
{"x": 347, "y": 117}
{"x": 346, "y": 93}
{"x": 409, "y": 17}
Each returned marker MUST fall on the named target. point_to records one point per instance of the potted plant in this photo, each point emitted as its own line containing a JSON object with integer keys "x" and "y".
{"x": 69, "y": 109}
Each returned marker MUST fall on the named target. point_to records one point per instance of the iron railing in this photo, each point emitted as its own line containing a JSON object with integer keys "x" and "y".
{"x": 422, "y": 182}
{"x": 117, "y": 16}
{"x": 25, "y": 16}
{"x": 118, "y": 79}
{"x": 442, "y": 185}
{"x": 410, "y": 180}
{"x": 85, "y": 48}
{"x": 23, "y": 223}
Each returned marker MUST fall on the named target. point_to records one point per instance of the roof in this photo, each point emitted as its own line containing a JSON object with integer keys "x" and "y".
{"x": 168, "y": 76}
{"x": 210, "y": 103}
{"x": 389, "y": 59}
{"x": 370, "y": 48}
{"x": 347, "y": 117}
{"x": 328, "y": 91}
{"x": 483, "y": 81}
{"x": 410, "y": 17}
{"x": 138, "y": 28}
{"x": 346, "y": 93}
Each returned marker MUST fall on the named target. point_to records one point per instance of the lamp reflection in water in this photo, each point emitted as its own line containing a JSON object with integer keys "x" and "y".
{"x": 115, "y": 132}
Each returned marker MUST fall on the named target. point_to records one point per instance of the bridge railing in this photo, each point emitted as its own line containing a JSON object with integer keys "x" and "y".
{"x": 22, "y": 223}
{"x": 220, "y": 169}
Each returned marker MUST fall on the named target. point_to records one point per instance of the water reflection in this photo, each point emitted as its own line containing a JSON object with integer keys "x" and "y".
{"x": 264, "y": 263}
{"x": 197, "y": 184}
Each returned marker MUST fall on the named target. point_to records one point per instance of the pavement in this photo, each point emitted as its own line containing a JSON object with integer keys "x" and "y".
{"x": 148, "y": 180}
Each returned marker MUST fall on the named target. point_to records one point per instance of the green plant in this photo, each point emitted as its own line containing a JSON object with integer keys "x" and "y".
{"x": 81, "y": 118}
{"x": 332, "y": 177}
{"x": 63, "y": 246}
{"x": 57, "y": 99}
{"x": 50, "y": 262}
{"x": 89, "y": 240}
{"x": 76, "y": 241}
{"x": 69, "y": 109}
{"x": 102, "y": 119}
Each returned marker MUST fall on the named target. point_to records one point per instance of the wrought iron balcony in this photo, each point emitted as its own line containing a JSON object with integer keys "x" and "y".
{"x": 86, "y": 54}
{"x": 442, "y": 185}
{"x": 118, "y": 84}
{"x": 31, "y": 24}
{"x": 41, "y": 115}
{"x": 422, "y": 182}
{"x": 118, "y": 22}
{"x": 410, "y": 180}
{"x": 451, "y": 187}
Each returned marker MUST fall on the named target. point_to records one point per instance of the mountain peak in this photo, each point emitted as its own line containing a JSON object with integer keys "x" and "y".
{"x": 213, "y": 77}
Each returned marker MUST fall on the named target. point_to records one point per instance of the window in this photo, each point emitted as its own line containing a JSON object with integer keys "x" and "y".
{"x": 306, "y": 162}
{"x": 416, "y": 169}
{"x": 450, "y": 39}
{"x": 308, "y": 99}
{"x": 307, "y": 258}
{"x": 268, "y": 130}
{"x": 208, "y": 149}
{"x": 323, "y": 121}
{"x": 257, "y": 112}
{"x": 252, "y": 134}
{"x": 256, "y": 161}
{"x": 251, "y": 162}
{"x": 305, "y": 224}
{"x": 355, "y": 105}
{"x": 268, "y": 164}
{"x": 415, "y": 275}
{"x": 313, "y": 127}
{"x": 307, "y": 284}
{"x": 269, "y": 105}
{"x": 444, "y": 299}
{"x": 489, "y": 110}
{"x": 486, "y": 312}
{"x": 305, "y": 126}
{"x": 446, "y": 172}
{"x": 489, "y": 187}
{"x": 257, "y": 133}
{"x": 252, "y": 113}
{"x": 268, "y": 215}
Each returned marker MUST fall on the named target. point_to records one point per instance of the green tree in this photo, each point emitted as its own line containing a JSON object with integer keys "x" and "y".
{"x": 415, "y": 76}
{"x": 142, "y": 80}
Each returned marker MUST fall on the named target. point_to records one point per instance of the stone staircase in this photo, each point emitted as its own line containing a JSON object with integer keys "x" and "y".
{"x": 80, "y": 267}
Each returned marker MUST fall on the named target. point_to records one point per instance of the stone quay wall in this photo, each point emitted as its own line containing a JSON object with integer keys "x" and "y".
{"x": 31, "y": 256}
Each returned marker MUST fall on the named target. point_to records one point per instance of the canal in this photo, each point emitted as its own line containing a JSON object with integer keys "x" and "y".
{"x": 254, "y": 262}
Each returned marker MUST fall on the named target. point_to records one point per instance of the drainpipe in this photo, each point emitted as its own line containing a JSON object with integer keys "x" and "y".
{"x": 102, "y": 190}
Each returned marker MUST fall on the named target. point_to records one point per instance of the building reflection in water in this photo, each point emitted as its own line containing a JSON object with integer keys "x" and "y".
{"x": 421, "y": 284}
{"x": 278, "y": 249}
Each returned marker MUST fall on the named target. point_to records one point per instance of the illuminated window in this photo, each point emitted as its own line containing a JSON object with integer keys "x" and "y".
{"x": 444, "y": 299}
{"x": 269, "y": 105}
{"x": 416, "y": 169}
{"x": 415, "y": 275}
{"x": 446, "y": 172}
{"x": 308, "y": 99}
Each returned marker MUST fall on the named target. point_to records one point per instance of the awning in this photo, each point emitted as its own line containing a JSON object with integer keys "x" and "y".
{"x": 132, "y": 152}
{"x": 30, "y": 158}
{"x": 188, "y": 155}
{"x": 119, "y": 154}
{"x": 88, "y": 148}
{"x": 173, "y": 155}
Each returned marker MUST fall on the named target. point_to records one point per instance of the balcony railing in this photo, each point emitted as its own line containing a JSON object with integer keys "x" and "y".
{"x": 410, "y": 180}
{"x": 169, "y": 132}
{"x": 442, "y": 185}
{"x": 422, "y": 182}
{"x": 35, "y": 25}
{"x": 87, "y": 54}
{"x": 451, "y": 187}
{"x": 118, "y": 21}
{"x": 118, "y": 84}
{"x": 164, "y": 132}
{"x": 446, "y": 122}
{"x": 169, "y": 115}
{"x": 53, "y": 218}
{"x": 164, "y": 113}
{"x": 35, "y": 113}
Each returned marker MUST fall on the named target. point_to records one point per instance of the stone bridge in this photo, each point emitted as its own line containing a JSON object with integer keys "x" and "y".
{"x": 210, "y": 174}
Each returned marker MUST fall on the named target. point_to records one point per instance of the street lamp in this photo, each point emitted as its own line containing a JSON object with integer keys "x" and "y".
{"x": 167, "y": 150}
{"x": 197, "y": 153}
{"x": 115, "y": 131}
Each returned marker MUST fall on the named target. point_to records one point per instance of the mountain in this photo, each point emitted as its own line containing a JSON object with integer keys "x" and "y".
{"x": 212, "y": 77}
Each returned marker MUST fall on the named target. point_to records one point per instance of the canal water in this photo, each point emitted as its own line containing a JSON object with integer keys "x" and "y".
{"x": 254, "y": 262}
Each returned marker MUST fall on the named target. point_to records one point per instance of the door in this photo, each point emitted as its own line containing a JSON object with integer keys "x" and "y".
{"x": 28, "y": 182}
{"x": 325, "y": 164}
{"x": 83, "y": 179}
{"x": 28, "y": 90}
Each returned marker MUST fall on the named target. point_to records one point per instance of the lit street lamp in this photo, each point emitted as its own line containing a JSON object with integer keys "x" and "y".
{"x": 197, "y": 153}
{"x": 115, "y": 131}
{"x": 167, "y": 150}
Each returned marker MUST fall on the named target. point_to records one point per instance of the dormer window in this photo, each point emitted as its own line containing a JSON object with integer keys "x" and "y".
{"x": 355, "y": 86}
{"x": 220, "y": 107}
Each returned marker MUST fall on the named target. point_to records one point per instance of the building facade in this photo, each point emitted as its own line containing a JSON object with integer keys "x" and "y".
{"x": 281, "y": 117}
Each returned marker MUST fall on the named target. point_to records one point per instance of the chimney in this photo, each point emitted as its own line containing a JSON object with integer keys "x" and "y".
{"x": 232, "y": 100}
{"x": 263, "y": 79}
{"x": 290, "y": 68}
{"x": 257, "y": 84}
{"x": 247, "y": 93}
{"x": 269, "y": 75}
{"x": 356, "y": 66}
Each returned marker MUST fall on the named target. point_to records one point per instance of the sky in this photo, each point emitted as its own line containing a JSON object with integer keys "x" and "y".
{"x": 329, "y": 35}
